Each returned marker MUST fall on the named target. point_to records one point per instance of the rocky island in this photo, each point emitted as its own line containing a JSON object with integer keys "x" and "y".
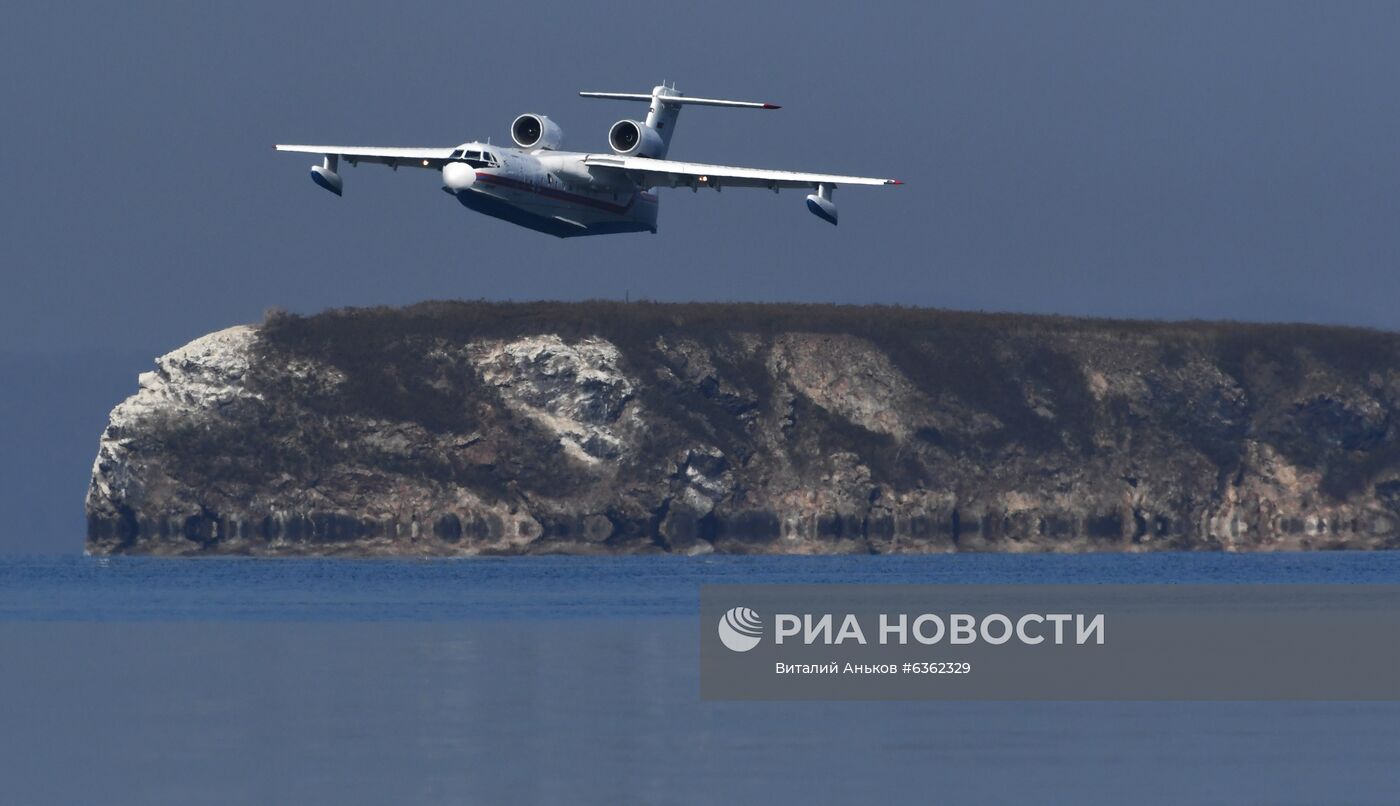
{"x": 461, "y": 428}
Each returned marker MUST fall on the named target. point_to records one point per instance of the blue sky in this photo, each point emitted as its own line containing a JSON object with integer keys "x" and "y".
{"x": 1182, "y": 160}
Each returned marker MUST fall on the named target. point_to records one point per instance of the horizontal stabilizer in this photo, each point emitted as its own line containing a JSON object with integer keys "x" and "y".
{"x": 678, "y": 100}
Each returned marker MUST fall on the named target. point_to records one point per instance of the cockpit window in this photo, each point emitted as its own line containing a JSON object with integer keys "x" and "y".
{"x": 476, "y": 159}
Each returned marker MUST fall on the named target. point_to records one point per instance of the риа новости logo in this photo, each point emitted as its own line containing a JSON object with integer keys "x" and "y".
{"x": 740, "y": 629}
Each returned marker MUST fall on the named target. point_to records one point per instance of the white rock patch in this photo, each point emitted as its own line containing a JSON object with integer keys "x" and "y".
{"x": 204, "y": 375}
{"x": 577, "y": 391}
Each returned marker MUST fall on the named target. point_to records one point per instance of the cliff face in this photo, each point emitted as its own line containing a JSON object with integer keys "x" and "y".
{"x": 473, "y": 428}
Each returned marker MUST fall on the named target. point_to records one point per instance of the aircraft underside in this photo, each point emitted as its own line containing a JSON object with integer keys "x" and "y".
{"x": 558, "y": 213}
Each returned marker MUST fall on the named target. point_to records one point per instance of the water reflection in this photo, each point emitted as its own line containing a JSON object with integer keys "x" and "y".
{"x": 597, "y": 711}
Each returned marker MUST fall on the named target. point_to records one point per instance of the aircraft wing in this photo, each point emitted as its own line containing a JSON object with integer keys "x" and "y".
{"x": 671, "y": 173}
{"x": 393, "y": 157}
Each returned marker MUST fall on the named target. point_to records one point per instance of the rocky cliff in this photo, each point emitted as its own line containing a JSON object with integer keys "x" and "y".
{"x": 476, "y": 428}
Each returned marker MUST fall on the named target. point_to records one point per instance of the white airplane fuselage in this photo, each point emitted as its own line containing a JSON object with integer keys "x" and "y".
{"x": 569, "y": 193}
{"x": 547, "y": 191}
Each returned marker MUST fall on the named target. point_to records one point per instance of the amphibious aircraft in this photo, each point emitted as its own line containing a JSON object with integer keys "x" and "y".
{"x": 568, "y": 193}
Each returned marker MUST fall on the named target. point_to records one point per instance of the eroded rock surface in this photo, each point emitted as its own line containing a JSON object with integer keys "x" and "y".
{"x": 476, "y": 428}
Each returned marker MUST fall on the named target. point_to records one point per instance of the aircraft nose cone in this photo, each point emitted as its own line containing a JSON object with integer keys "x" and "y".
{"x": 458, "y": 176}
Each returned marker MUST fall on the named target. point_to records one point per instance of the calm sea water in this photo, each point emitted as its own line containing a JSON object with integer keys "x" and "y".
{"x": 575, "y": 680}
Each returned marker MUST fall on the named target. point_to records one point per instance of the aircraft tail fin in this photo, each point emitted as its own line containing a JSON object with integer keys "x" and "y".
{"x": 665, "y": 108}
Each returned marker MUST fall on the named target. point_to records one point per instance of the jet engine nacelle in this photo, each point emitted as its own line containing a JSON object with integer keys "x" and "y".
{"x": 536, "y": 131}
{"x": 630, "y": 138}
